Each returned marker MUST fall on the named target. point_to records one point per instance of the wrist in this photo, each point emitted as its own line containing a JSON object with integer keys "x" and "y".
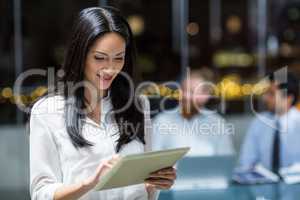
{"x": 84, "y": 185}
{"x": 149, "y": 188}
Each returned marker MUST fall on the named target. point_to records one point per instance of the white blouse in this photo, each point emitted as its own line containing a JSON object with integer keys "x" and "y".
{"x": 54, "y": 161}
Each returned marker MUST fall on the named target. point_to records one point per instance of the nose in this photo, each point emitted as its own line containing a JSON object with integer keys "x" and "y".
{"x": 107, "y": 71}
{"x": 110, "y": 64}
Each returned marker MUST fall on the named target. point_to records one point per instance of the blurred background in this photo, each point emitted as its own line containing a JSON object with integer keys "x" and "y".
{"x": 239, "y": 40}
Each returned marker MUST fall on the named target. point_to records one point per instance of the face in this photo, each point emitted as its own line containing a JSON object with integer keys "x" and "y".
{"x": 269, "y": 97}
{"x": 195, "y": 93}
{"x": 283, "y": 101}
{"x": 105, "y": 60}
{"x": 275, "y": 99}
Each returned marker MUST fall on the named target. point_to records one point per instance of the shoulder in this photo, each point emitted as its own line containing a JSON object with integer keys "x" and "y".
{"x": 145, "y": 103}
{"x": 144, "y": 100}
{"x": 295, "y": 113}
{"x": 168, "y": 115}
{"x": 48, "y": 105}
{"x": 47, "y": 116}
{"x": 211, "y": 114}
{"x": 267, "y": 114}
{"x": 263, "y": 118}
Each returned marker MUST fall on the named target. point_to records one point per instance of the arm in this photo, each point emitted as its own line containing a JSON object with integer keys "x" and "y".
{"x": 45, "y": 169}
{"x": 157, "y": 135}
{"x": 152, "y": 192}
{"x": 69, "y": 192}
{"x": 162, "y": 179}
{"x": 225, "y": 132}
{"x": 75, "y": 191}
{"x": 249, "y": 154}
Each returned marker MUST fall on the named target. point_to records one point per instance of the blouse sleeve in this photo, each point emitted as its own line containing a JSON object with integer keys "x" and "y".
{"x": 45, "y": 170}
{"x": 148, "y": 136}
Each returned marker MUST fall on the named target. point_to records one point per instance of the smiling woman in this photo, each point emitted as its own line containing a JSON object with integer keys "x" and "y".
{"x": 72, "y": 139}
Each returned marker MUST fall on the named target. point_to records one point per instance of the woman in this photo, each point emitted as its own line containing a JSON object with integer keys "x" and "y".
{"x": 78, "y": 133}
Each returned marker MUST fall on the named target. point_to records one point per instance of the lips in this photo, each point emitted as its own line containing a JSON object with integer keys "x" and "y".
{"x": 105, "y": 77}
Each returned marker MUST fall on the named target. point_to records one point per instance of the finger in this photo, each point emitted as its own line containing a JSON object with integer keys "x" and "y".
{"x": 113, "y": 161}
{"x": 157, "y": 185}
{"x": 160, "y": 179}
{"x": 163, "y": 176}
{"x": 149, "y": 185}
{"x": 163, "y": 169}
{"x": 170, "y": 177}
{"x": 107, "y": 165}
{"x": 159, "y": 182}
{"x": 172, "y": 173}
{"x": 115, "y": 158}
{"x": 97, "y": 174}
{"x": 163, "y": 187}
{"x": 169, "y": 170}
{"x": 160, "y": 185}
{"x": 102, "y": 167}
{"x": 101, "y": 164}
{"x": 99, "y": 168}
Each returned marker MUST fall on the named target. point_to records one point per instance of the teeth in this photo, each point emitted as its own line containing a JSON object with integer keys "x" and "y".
{"x": 104, "y": 77}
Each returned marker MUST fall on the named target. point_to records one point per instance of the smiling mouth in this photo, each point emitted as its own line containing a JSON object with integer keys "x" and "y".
{"x": 105, "y": 77}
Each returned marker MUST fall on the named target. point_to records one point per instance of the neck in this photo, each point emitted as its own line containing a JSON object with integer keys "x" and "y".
{"x": 189, "y": 112}
{"x": 94, "y": 98}
{"x": 93, "y": 104}
{"x": 284, "y": 110}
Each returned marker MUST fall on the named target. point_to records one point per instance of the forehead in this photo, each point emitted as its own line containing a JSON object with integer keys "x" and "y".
{"x": 109, "y": 43}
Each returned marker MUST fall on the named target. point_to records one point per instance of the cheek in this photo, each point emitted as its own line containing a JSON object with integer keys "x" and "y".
{"x": 92, "y": 68}
{"x": 119, "y": 67}
{"x": 89, "y": 67}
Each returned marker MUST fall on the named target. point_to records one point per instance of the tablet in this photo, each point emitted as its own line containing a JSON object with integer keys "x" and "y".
{"x": 134, "y": 169}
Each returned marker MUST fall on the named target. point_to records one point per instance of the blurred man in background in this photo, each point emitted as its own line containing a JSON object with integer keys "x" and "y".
{"x": 273, "y": 137}
{"x": 191, "y": 124}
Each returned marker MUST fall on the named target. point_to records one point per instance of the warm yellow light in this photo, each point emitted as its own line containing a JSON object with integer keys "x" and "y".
{"x": 192, "y": 28}
{"x": 247, "y": 89}
{"x": 7, "y": 92}
{"x": 234, "y": 24}
{"x": 137, "y": 24}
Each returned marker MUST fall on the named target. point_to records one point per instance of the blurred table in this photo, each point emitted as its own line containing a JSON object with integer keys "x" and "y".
{"x": 279, "y": 191}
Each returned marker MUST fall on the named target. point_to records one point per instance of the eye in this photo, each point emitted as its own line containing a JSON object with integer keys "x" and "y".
{"x": 119, "y": 58}
{"x": 99, "y": 58}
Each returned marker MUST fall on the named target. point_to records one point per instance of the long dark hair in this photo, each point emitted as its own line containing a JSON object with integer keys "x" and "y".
{"x": 91, "y": 24}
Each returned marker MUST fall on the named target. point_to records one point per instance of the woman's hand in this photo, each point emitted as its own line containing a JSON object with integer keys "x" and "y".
{"x": 77, "y": 190}
{"x": 162, "y": 179}
{"x": 102, "y": 169}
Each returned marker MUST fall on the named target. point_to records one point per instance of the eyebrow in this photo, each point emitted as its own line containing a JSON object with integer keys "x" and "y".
{"x": 107, "y": 54}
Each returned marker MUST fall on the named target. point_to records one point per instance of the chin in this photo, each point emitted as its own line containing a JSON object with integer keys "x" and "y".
{"x": 103, "y": 87}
